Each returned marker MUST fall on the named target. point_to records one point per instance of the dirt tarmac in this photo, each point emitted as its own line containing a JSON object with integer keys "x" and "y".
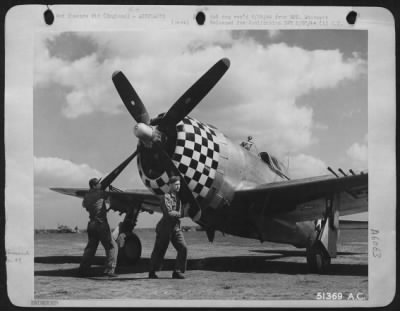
{"x": 231, "y": 268}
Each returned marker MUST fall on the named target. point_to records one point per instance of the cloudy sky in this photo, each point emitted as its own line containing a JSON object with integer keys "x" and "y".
{"x": 302, "y": 95}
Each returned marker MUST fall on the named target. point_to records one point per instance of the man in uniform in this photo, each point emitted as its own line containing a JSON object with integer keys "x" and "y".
{"x": 98, "y": 230}
{"x": 247, "y": 144}
{"x": 169, "y": 229}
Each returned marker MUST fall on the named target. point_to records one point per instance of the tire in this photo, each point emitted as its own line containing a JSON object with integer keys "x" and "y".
{"x": 318, "y": 259}
{"x": 130, "y": 253}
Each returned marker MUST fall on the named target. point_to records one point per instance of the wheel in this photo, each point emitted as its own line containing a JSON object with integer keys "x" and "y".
{"x": 130, "y": 253}
{"x": 318, "y": 259}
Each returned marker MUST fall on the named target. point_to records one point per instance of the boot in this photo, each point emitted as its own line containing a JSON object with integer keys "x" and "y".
{"x": 177, "y": 275}
{"x": 152, "y": 275}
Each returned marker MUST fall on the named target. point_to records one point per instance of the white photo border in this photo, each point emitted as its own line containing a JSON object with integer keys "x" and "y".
{"x": 23, "y": 22}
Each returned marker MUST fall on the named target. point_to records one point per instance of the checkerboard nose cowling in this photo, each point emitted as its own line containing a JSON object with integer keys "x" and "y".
{"x": 196, "y": 156}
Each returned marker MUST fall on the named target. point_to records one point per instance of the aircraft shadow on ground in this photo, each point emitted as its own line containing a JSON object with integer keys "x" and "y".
{"x": 241, "y": 264}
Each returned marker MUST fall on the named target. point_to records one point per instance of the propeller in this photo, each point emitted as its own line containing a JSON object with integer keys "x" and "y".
{"x": 130, "y": 98}
{"x": 189, "y": 100}
{"x": 154, "y": 137}
{"x": 106, "y": 181}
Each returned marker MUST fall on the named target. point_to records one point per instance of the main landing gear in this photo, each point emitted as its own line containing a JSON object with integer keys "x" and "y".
{"x": 318, "y": 259}
{"x": 130, "y": 247}
{"x": 129, "y": 254}
{"x": 323, "y": 243}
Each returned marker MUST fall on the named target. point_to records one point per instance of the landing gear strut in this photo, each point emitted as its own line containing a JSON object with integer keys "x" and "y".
{"x": 130, "y": 247}
{"x": 323, "y": 243}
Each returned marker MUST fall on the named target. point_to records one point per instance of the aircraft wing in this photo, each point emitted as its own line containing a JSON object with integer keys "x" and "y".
{"x": 75, "y": 192}
{"x": 120, "y": 199}
{"x": 305, "y": 199}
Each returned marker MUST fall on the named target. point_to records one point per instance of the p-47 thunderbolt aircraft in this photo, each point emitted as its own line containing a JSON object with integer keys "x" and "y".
{"x": 226, "y": 187}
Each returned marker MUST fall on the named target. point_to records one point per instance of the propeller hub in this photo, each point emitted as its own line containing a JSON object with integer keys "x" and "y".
{"x": 143, "y": 132}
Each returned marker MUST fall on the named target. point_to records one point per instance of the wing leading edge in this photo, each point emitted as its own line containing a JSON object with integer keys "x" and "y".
{"x": 305, "y": 199}
{"x": 147, "y": 200}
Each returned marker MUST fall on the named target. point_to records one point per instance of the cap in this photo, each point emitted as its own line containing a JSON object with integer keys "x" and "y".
{"x": 93, "y": 182}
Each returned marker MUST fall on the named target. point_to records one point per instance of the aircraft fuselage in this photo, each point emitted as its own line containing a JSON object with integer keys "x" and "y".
{"x": 212, "y": 165}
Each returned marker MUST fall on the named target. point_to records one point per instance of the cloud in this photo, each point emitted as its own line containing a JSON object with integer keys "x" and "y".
{"x": 259, "y": 91}
{"x": 274, "y": 33}
{"x": 350, "y": 114}
{"x": 51, "y": 207}
{"x": 302, "y": 166}
{"x": 56, "y": 172}
{"x": 358, "y": 154}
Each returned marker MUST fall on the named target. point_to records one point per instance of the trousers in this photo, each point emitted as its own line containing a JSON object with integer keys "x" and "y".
{"x": 99, "y": 232}
{"x": 165, "y": 234}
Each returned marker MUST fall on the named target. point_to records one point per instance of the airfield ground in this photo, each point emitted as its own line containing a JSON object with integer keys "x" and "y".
{"x": 230, "y": 268}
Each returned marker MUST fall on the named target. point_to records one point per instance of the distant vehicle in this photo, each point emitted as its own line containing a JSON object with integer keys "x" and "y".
{"x": 66, "y": 229}
{"x": 228, "y": 187}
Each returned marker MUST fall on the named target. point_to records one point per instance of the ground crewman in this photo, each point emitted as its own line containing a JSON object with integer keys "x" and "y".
{"x": 169, "y": 229}
{"x": 98, "y": 230}
{"x": 247, "y": 144}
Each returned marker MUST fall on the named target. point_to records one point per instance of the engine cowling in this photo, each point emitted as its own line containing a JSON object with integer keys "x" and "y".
{"x": 196, "y": 155}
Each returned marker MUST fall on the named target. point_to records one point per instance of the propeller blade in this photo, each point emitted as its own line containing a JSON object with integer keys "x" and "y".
{"x": 186, "y": 194}
{"x": 114, "y": 174}
{"x": 189, "y": 100}
{"x": 130, "y": 98}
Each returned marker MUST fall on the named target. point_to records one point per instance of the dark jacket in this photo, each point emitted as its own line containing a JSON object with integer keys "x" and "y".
{"x": 171, "y": 207}
{"x": 95, "y": 203}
